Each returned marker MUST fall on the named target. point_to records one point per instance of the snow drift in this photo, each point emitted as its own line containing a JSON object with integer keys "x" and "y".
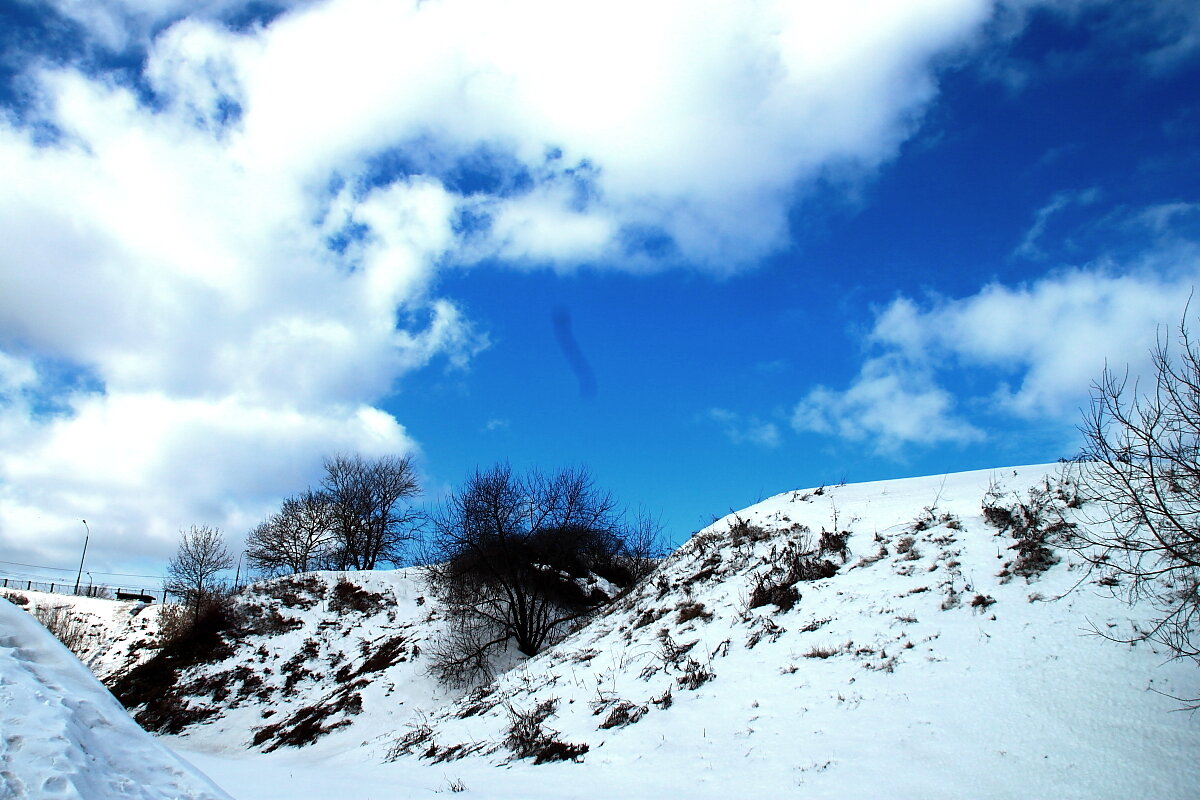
{"x": 62, "y": 735}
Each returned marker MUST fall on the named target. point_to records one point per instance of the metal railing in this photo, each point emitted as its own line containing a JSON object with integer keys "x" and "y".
{"x": 89, "y": 590}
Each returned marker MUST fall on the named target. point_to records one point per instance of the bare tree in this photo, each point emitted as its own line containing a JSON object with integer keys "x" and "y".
{"x": 297, "y": 538}
{"x": 517, "y": 561}
{"x": 369, "y": 517}
{"x": 192, "y": 573}
{"x": 1141, "y": 469}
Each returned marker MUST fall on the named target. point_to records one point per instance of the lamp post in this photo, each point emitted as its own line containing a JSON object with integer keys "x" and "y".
{"x": 81, "y": 558}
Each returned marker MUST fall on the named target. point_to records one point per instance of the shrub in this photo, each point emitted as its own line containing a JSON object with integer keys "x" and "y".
{"x": 623, "y": 713}
{"x": 527, "y": 738}
{"x": 688, "y": 611}
{"x": 174, "y": 622}
{"x": 1034, "y": 523}
{"x": 982, "y": 602}
{"x": 300, "y": 591}
{"x": 794, "y": 564}
{"x": 649, "y": 616}
{"x": 781, "y": 594}
{"x": 822, "y": 652}
{"x": 742, "y": 531}
{"x": 65, "y": 624}
{"x": 834, "y": 543}
{"x": 695, "y": 675}
{"x": 346, "y": 596}
{"x": 418, "y": 733}
{"x": 267, "y": 621}
{"x": 509, "y": 556}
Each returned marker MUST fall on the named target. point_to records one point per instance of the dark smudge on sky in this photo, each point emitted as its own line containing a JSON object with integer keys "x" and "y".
{"x": 561, "y": 317}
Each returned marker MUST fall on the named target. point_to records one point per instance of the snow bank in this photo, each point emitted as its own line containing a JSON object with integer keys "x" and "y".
{"x": 62, "y": 735}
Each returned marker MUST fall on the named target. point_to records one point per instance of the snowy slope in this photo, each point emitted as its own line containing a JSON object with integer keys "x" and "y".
{"x": 113, "y": 635}
{"x": 312, "y": 657}
{"x": 924, "y": 667}
{"x": 932, "y": 661}
{"x": 62, "y": 735}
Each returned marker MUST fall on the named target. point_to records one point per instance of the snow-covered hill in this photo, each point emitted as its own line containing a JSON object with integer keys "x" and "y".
{"x": 938, "y": 661}
{"x": 62, "y": 735}
{"x": 882, "y": 639}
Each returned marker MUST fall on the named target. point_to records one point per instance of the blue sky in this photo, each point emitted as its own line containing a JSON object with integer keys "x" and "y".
{"x": 711, "y": 251}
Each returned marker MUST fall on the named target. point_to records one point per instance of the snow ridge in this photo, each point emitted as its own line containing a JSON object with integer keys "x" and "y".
{"x": 62, "y": 735}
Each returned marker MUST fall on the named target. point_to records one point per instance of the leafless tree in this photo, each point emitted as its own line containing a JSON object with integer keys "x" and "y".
{"x": 1139, "y": 477}
{"x": 512, "y": 558}
{"x": 297, "y": 538}
{"x": 369, "y": 516}
{"x": 192, "y": 573}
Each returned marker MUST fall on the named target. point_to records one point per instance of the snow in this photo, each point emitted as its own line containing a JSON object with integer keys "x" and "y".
{"x": 923, "y": 668}
{"x": 115, "y": 634}
{"x": 62, "y": 735}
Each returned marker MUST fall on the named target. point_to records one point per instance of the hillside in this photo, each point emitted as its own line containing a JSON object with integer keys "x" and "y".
{"x": 304, "y": 656}
{"x": 926, "y": 666}
{"x": 880, "y": 639}
{"x": 108, "y": 636}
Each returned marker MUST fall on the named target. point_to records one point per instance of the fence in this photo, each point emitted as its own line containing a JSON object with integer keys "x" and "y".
{"x": 85, "y": 590}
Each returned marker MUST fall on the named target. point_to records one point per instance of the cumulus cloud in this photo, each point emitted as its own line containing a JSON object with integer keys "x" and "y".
{"x": 700, "y": 130}
{"x": 224, "y": 347}
{"x": 889, "y": 405}
{"x": 1032, "y": 351}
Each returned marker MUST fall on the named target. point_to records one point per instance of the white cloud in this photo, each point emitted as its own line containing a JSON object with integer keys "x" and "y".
{"x": 1030, "y": 246}
{"x": 889, "y": 406}
{"x": 702, "y": 127}
{"x": 1052, "y": 337}
{"x": 1032, "y": 351}
{"x": 179, "y": 256}
{"x": 140, "y": 467}
{"x": 228, "y": 347}
{"x": 745, "y": 430}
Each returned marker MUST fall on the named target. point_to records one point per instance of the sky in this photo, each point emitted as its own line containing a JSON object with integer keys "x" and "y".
{"x": 709, "y": 250}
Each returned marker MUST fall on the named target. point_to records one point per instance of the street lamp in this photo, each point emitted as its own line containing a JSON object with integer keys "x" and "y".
{"x": 81, "y": 558}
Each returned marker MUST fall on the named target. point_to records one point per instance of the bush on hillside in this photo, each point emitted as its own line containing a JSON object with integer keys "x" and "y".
{"x": 514, "y": 559}
{"x": 66, "y": 624}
